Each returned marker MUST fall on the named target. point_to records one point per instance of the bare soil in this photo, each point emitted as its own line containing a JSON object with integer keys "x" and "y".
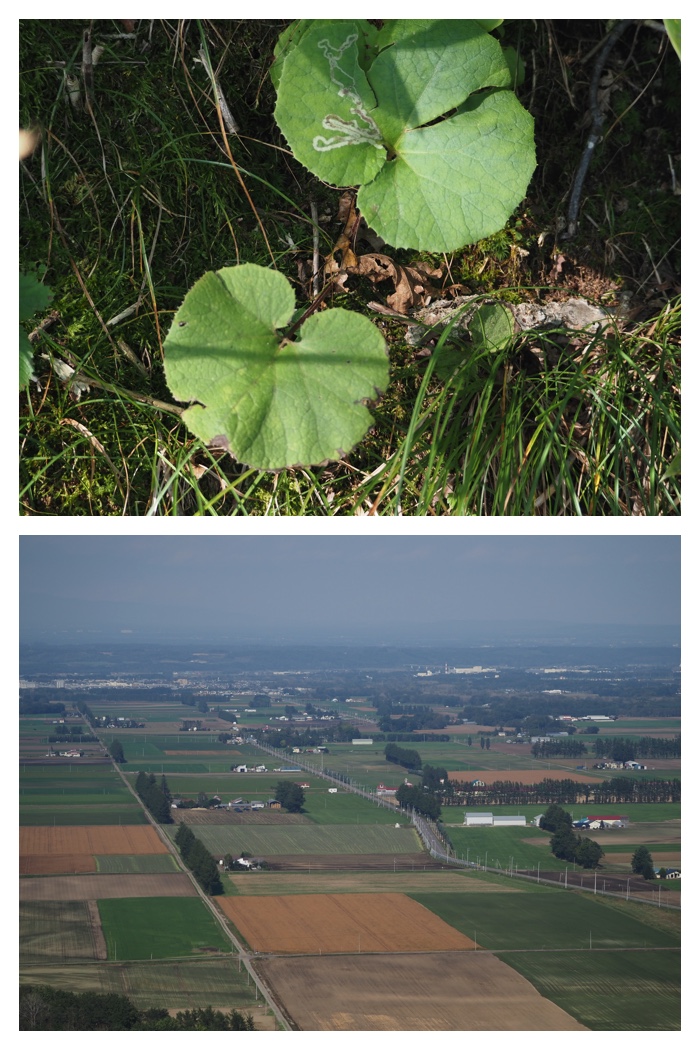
{"x": 323, "y": 923}
{"x": 56, "y": 863}
{"x": 103, "y": 887}
{"x": 464, "y": 992}
{"x": 95, "y": 839}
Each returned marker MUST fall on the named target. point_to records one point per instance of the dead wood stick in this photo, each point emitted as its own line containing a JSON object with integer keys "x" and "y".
{"x": 596, "y": 126}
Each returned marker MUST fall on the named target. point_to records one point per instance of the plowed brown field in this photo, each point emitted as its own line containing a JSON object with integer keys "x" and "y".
{"x": 365, "y": 922}
{"x": 56, "y": 864}
{"x": 103, "y": 887}
{"x": 469, "y": 992}
{"x": 92, "y": 839}
{"x": 522, "y": 776}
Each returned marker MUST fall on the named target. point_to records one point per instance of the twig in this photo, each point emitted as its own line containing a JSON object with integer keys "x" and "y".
{"x": 88, "y": 78}
{"x": 316, "y": 266}
{"x": 596, "y": 126}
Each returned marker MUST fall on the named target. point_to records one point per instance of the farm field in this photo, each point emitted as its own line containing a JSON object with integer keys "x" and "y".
{"x": 175, "y": 984}
{"x": 112, "y": 899}
{"x": 524, "y": 776}
{"x": 119, "y": 864}
{"x": 102, "y": 887}
{"x": 329, "y": 923}
{"x": 159, "y": 928}
{"x": 286, "y": 884}
{"x": 59, "y": 931}
{"x": 634, "y": 991}
{"x": 73, "y": 815}
{"x": 526, "y": 847}
{"x": 268, "y": 841}
{"x": 95, "y": 839}
{"x": 552, "y": 919}
{"x": 463, "y": 992}
{"x": 56, "y": 863}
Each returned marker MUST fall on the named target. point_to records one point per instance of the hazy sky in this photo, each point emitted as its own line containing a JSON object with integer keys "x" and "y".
{"x": 239, "y": 587}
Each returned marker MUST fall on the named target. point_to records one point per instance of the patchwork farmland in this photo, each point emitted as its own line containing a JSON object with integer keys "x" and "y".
{"x": 349, "y": 924}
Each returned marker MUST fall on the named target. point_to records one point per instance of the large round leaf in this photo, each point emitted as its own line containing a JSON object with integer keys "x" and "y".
{"x": 324, "y": 106}
{"x": 454, "y": 182}
{"x": 272, "y": 401}
{"x": 425, "y": 183}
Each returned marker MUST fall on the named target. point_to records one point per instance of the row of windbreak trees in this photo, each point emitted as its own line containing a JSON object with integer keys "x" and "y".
{"x": 199, "y": 860}
{"x": 155, "y": 797}
{"x": 562, "y": 792}
{"x": 622, "y": 749}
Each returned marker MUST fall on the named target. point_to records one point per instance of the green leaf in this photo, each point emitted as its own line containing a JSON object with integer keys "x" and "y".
{"x": 673, "y": 28}
{"x": 33, "y": 296}
{"x": 324, "y": 106}
{"x": 454, "y": 182}
{"x": 426, "y": 183}
{"x": 274, "y": 402}
{"x": 491, "y": 327}
{"x": 430, "y": 69}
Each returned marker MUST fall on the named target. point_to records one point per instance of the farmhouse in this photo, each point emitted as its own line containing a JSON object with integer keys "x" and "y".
{"x": 671, "y": 873}
{"x": 382, "y": 789}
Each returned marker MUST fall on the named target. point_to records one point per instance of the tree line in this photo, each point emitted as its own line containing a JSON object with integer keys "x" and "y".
{"x": 622, "y": 749}
{"x": 45, "y": 1009}
{"x": 199, "y": 860}
{"x": 562, "y": 746}
{"x": 562, "y": 792}
{"x": 156, "y": 798}
{"x": 402, "y": 756}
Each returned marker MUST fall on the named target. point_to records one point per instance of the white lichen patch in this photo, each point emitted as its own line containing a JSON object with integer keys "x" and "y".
{"x": 348, "y": 132}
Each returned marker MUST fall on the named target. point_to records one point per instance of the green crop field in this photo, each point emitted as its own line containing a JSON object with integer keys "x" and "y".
{"x": 548, "y": 919}
{"x": 57, "y": 775}
{"x": 159, "y": 927}
{"x": 70, "y": 816}
{"x": 221, "y": 983}
{"x": 145, "y": 863}
{"x": 608, "y": 991}
{"x": 302, "y": 838}
{"x": 516, "y": 847}
{"x": 347, "y": 808}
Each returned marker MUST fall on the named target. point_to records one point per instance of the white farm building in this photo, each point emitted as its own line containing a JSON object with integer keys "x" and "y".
{"x": 487, "y": 820}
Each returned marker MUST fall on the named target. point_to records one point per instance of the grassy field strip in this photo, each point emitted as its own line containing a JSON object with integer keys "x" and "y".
{"x": 274, "y": 884}
{"x": 617, "y": 990}
{"x": 549, "y": 919}
{"x": 180, "y": 985}
{"x": 146, "y": 863}
{"x": 300, "y": 839}
{"x": 72, "y": 816}
{"x": 56, "y": 932}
